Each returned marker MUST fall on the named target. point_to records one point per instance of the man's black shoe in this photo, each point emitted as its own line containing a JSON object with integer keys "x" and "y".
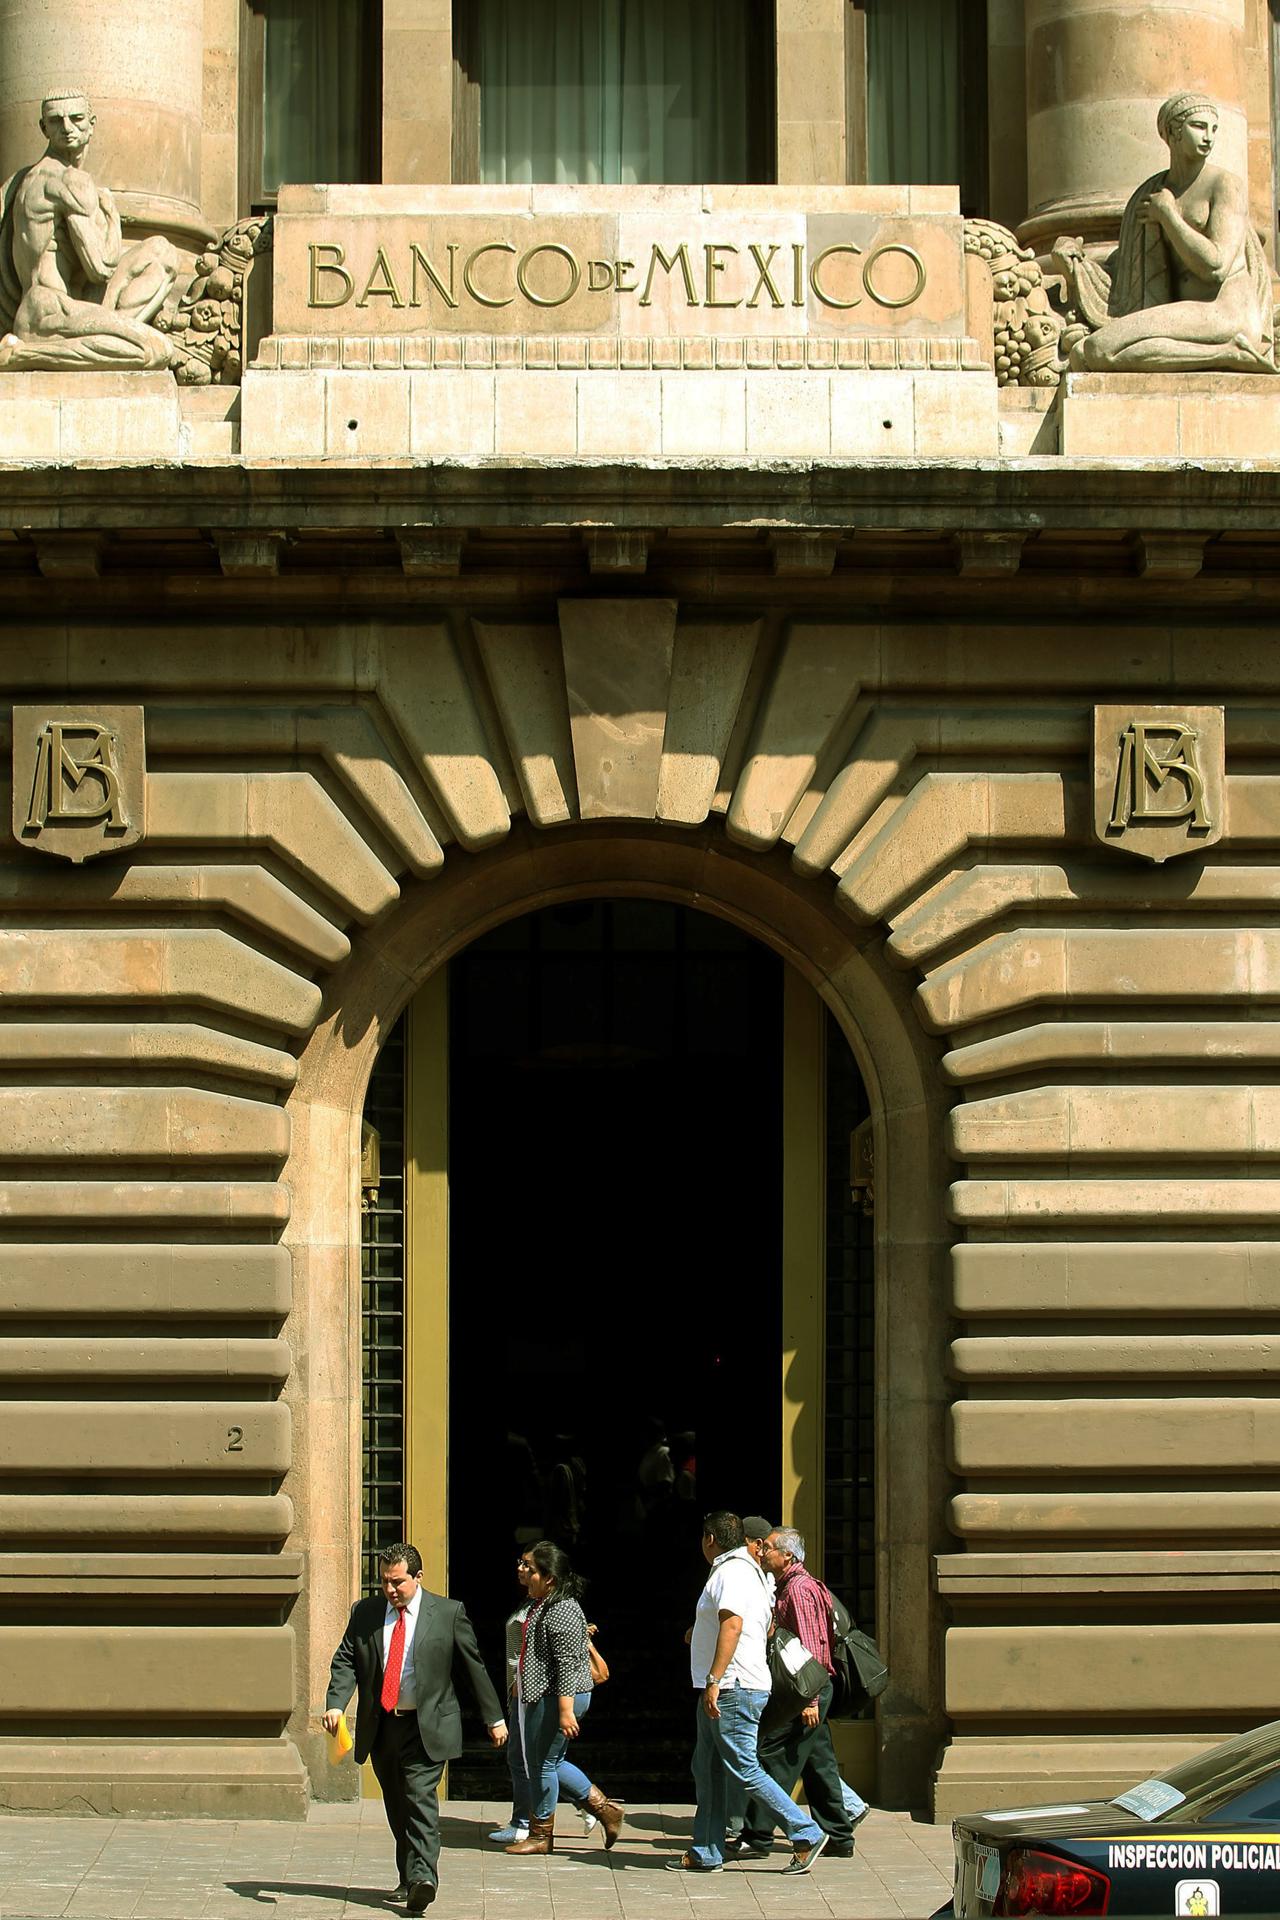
{"x": 840, "y": 1849}
{"x": 421, "y": 1894}
{"x": 401, "y": 1893}
{"x": 744, "y": 1849}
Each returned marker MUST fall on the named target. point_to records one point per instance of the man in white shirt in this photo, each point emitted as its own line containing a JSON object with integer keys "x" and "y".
{"x": 729, "y": 1669}
{"x": 399, "y": 1651}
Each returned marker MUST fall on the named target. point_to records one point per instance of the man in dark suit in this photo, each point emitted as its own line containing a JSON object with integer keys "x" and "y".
{"x": 399, "y": 1651}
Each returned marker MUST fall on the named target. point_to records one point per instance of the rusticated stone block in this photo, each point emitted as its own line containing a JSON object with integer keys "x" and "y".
{"x": 1239, "y": 1123}
{"x": 119, "y": 1280}
{"x": 813, "y": 691}
{"x": 231, "y": 1437}
{"x": 617, "y": 662}
{"x": 1168, "y": 1435}
{"x": 129, "y": 1673}
{"x": 140, "y": 1778}
{"x": 1222, "y": 1667}
{"x": 1127, "y": 1277}
{"x": 111, "y": 1517}
{"x": 139, "y": 1124}
{"x": 197, "y": 966}
{"x": 290, "y": 812}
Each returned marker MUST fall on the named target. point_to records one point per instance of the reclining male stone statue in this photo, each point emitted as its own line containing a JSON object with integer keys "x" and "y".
{"x": 71, "y": 294}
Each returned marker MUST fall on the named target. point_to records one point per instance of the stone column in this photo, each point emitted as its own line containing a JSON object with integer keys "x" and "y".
{"x": 141, "y": 62}
{"x": 1097, "y": 71}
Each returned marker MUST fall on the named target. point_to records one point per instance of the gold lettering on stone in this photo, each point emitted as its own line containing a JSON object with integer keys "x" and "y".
{"x": 668, "y": 263}
{"x": 544, "y": 300}
{"x": 484, "y": 299}
{"x": 1152, "y": 754}
{"x": 714, "y": 268}
{"x": 69, "y": 754}
{"x": 829, "y": 299}
{"x": 549, "y": 274}
{"x": 764, "y": 279}
{"x": 333, "y": 265}
{"x": 422, "y": 264}
{"x": 383, "y": 288}
{"x": 890, "y": 300}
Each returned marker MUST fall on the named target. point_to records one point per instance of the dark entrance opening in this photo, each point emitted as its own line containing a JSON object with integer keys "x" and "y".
{"x": 615, "y": 1167}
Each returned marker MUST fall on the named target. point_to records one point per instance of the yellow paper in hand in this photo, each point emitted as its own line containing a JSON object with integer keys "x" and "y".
{"x": 341, "y": 1742}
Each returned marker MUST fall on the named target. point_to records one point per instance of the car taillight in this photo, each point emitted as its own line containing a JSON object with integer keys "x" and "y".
{"x": 1036, "y": 1883}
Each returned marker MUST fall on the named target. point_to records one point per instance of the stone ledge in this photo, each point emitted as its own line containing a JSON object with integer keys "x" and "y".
{"x": 160, "y": 1779}
{"x": 424, "y": 352}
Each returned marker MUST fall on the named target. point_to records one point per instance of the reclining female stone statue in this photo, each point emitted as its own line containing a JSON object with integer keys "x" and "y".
{"x": 1187, "y": 289}
{"x": 71, "y": 294}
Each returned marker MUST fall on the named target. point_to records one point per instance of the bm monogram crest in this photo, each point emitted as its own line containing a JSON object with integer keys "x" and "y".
{"x": 79, "y": 779}
{"x": 1158, "y": 779}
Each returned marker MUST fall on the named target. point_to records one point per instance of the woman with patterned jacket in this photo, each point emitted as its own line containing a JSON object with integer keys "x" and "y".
{"x": 553, "y": 1691}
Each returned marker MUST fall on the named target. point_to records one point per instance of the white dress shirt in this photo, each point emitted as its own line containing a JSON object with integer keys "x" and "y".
{"x": 408, "y": 1695}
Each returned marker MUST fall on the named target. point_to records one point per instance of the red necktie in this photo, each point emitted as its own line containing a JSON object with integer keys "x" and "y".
{"x": 395, "y": 1661}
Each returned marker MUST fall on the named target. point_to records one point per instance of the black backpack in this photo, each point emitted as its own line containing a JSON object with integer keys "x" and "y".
{"x": 861, "y": 1674}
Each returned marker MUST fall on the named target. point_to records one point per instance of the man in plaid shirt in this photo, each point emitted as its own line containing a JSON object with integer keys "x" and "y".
{"x": 802, "y": 1750}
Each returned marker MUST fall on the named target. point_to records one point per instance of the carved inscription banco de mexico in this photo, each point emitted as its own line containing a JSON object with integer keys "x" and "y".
{"x": 628, "y": 262}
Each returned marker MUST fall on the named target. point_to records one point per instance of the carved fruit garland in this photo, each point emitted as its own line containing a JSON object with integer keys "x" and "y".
{"x": 206, "y": 325}
{"x": 1028, "y": 333}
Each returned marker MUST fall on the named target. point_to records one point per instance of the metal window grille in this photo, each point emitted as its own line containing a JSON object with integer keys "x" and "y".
{"x": 849, "y": 1562}
{"x": 382, "y": 1311}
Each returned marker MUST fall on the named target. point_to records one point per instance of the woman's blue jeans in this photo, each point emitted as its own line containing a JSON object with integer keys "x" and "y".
{"x": 724, "y": 1751}
{"x": 549, "y": 1773}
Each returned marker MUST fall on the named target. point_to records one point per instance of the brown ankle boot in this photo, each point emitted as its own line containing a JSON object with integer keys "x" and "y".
{"x": 607, "y": 1813}
{"x": 539, "y": 1838}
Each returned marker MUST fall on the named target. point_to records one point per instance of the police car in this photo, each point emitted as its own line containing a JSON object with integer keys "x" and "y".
{"x": 1203, "y": 1839}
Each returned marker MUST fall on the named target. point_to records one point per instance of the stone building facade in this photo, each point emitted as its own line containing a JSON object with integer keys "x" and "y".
{"x": 756, "y": 548}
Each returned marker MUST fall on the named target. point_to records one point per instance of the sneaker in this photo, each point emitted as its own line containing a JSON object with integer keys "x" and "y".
{"x": 508, "y": 1835}
{"x": 856, "y": 1819}
{"x": 806, "y": 1854}
{"x": 685, "y": 1863}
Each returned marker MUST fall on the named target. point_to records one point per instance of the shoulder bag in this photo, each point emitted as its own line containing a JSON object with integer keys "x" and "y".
{"x": 599, "y": 1665}
{"x": 797, "y": 1677}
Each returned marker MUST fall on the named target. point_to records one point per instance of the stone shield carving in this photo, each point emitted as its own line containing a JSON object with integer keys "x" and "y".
{"x": 1158, "y": 779}
{"x": 79, "y": 779}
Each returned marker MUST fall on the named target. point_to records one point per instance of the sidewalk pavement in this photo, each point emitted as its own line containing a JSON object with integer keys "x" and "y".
{"x": 339, "y": 1865}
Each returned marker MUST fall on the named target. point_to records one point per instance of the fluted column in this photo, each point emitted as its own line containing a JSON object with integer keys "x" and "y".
{"x": 141, "y": 63}
{"x": 1097, "y": 71}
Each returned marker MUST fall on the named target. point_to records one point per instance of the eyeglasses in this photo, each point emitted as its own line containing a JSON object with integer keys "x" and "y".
{"x": 526, "y": 1566}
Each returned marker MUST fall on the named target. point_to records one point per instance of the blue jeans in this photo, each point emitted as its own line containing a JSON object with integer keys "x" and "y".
{"x": 548, "y": 1770}
{"x": 724, "y": 1751}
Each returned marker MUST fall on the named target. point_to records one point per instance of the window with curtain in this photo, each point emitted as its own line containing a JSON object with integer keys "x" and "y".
{"x": 311, "y": 72}
{"x": 924, "y": 66}
{"x": 630, "y": 92}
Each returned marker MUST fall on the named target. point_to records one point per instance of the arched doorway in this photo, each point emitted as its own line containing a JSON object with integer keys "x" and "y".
{"x": 646, "y": 1110}
{"x": 868, "y": 1005}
